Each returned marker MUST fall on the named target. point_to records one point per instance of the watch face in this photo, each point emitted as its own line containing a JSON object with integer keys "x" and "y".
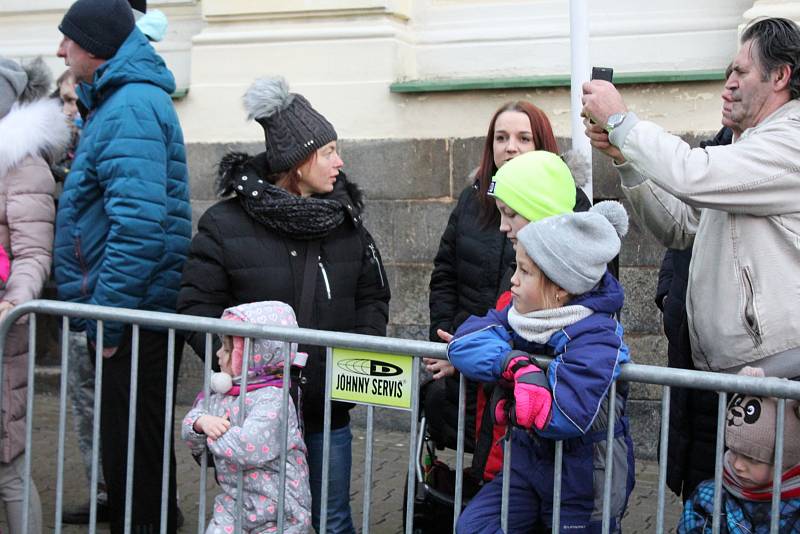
{"x": 614, "y": 121}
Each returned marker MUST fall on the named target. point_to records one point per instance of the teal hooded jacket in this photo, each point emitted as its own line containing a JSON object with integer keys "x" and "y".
{"x": 123, "y": 225}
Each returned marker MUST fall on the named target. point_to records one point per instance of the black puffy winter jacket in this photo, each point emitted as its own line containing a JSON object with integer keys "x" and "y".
{"x": 234, "y": 259}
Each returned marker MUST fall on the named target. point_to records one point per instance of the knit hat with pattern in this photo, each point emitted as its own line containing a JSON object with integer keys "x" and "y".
{"x": 572, "y": 250}
{"x": 292, "y": 128}
{"x": 98, "y": 26}
{"x": 536, "y": 185}
{"x": 13, "y": 80}
{"x": 750, "y": 429}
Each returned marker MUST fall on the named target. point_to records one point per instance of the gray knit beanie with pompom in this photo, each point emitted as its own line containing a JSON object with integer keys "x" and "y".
{"x": 23, "y": 83}
{"x": 572, "y": 250}
{"x": 292, "y": 128}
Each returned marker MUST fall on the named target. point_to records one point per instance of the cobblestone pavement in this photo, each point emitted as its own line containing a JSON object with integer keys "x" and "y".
{"x": 389, "y": 472}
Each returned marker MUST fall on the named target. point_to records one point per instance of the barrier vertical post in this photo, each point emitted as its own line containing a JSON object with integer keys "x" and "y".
{"x": 721, "y": 408}
{"x": 775, "y": 518}
{"x": 239, "y": 419}
{"x": 98, "y": 395}
{"x": 168, "y": 409}
{"x": 284, "y": 454}
{"x": 557, "y": 464}
{"x": 367, "y": 470}
{"x": 662, "y": 458}
{"x": 612, "y": 412}
{"x": 26, "y": 499}
{"x": 132, "y": 400}
{"x": 201, "y": 504}
{"x": 62, "y": 422}
{"x": 462, "y": 408}
{"x": 412, "y": 440}
{"x": 326, "y": 443}
{"x": 506, "y": 480}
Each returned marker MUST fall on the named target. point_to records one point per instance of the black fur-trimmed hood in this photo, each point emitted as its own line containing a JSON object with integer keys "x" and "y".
{"x": 234, "y": 165}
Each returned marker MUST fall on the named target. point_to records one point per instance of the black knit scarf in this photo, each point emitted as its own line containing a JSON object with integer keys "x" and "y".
{"x": 303, "y": 218}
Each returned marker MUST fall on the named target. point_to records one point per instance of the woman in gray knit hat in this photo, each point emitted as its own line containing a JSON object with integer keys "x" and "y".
{"x": 33, "y": 131}
{"x": 290, "y": 229}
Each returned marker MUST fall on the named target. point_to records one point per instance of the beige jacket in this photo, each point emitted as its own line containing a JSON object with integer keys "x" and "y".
{"x": 740, "y": 206}
{"x": 27, "y": 212}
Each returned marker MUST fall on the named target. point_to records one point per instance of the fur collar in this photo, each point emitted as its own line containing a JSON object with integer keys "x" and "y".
{"x": 35, "y": 129}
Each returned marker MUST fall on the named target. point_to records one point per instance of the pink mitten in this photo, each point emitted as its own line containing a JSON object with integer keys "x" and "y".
{"x": 500, "y": 415}
{"x": 5, "y": 266}
{"x": 532, "y": 399}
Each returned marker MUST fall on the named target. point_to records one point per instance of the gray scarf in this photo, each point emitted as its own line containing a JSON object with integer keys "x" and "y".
{"x": 290, "y": 215}
{"x": 539, "y": 326}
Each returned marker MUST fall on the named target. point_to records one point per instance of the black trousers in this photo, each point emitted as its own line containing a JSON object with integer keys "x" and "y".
{"x": 149, "y": 433}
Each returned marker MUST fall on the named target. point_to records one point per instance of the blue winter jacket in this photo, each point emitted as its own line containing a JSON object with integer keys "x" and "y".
{"x": 124, "y": 220}
{"x": 587, "y": 357}
{"x": 738, "y": 516}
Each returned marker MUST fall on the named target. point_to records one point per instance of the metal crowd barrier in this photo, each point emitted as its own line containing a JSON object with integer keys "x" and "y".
{"x": 667, "y": 378}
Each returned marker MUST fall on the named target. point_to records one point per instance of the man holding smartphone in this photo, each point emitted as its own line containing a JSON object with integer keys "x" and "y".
{"x": 736, "y": 203}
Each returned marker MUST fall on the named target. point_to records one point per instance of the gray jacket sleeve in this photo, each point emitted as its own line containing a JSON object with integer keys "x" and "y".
{"x": 758, "y": 175}
{"x": 195, "y": 440}
{"x": 672, "y": 221}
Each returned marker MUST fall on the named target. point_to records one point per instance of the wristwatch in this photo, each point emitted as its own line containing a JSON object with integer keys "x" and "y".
{"x": 614, "y": 121}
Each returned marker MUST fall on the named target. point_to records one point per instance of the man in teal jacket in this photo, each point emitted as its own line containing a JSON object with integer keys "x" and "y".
{"x": 122, "y": 234}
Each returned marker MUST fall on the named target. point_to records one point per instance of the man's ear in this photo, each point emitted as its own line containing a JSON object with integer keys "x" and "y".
{"x": 781, "y": 77}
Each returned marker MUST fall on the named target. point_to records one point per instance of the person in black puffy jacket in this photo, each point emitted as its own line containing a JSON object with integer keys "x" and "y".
{"x": 474, "y": 263}
{"x": 291, "y": 204}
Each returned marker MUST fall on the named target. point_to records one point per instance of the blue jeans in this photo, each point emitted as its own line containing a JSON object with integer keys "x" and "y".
{"x": 341, "y": 458}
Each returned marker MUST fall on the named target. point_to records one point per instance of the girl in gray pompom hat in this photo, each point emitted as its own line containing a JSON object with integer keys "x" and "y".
{"x": 564, "y": 306}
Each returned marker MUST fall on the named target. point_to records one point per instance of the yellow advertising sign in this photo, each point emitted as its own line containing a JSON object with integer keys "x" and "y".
{"x": 371, "y": 378}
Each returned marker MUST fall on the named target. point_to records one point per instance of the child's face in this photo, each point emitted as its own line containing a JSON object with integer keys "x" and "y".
{"x": 531, "y": 288}
{"x": 511, "y": 222}
{"x": 753, "y": 471}
{"x": 224, "y": 355}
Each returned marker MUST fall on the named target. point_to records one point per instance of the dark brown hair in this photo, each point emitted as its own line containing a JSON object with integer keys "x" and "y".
{"x": 776, "y": 43}
{"x": 543, "y": 139}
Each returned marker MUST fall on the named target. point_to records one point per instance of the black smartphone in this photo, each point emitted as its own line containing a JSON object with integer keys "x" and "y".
{"x": 603, "y": 73}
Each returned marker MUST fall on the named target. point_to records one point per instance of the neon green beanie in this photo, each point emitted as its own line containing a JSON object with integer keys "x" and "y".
{"x": 536, "y": 185}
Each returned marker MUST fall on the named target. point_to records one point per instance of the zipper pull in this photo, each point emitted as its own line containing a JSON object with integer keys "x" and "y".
{"x": 377, "y": 263}
{"x": 324, "y": 277}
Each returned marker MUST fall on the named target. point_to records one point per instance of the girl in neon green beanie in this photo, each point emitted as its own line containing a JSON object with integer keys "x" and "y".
{"x": 531, "y": 187}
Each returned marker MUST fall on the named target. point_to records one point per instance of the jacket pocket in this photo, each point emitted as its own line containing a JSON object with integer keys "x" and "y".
{"x": 749, "y": 314}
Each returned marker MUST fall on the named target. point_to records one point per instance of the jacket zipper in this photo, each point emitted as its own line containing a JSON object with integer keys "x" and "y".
{"x": 82, "y": 264}
{"x": 750, "y": 319}
{"x": 377, "y": 262}
{"x": 324, "y": 277}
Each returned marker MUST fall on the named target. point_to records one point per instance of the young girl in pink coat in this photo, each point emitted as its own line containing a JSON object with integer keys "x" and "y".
{"x": 250, "y": 441}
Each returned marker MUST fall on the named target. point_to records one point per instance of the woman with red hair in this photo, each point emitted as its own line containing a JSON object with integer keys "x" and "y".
{"x": 473, "y": 267}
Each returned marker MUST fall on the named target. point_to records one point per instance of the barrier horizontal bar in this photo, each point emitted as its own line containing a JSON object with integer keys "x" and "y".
{"x": 218, "y": 326}
{"x": 651, "y": 374}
